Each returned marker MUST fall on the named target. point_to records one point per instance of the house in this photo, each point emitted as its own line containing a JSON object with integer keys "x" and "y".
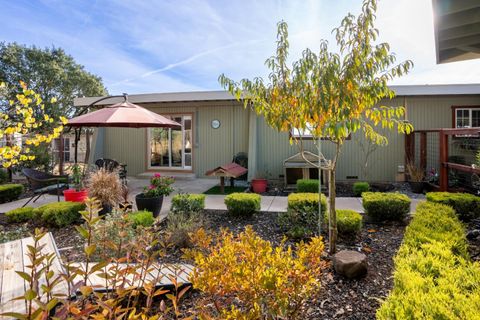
{"x": 216, "y": 128}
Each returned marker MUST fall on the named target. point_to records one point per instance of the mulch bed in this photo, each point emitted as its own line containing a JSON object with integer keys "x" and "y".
{"x": 339, "y": 298}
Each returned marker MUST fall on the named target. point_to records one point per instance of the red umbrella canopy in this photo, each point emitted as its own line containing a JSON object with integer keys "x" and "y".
{"x": 124, "y": 114}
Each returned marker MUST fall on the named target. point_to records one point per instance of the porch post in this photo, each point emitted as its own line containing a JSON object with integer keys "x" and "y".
{"x": 443, "y": 179}
{"x": 423, "y": 151}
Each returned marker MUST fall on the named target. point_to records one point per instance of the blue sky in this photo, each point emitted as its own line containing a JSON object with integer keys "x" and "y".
{"x": 166, "y": 46}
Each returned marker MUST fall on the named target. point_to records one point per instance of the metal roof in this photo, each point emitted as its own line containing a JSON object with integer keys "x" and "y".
{"x": 400, "y": 90}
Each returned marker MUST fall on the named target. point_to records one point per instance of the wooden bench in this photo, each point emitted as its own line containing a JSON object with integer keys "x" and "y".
{"x": 13, "y": 257}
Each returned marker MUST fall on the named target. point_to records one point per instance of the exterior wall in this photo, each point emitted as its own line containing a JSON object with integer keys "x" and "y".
{"x": 214, "y": 147}
{"x": 211, "y": 147}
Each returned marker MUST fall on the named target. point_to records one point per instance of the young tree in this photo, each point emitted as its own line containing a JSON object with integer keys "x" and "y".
{"x": 25, "y": 116}
{"x": 330, "y": 95}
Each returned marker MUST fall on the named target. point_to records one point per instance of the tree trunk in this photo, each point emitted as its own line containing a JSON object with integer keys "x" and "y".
{"x": 332, "y": 221}
{"x": 87, "y": 146}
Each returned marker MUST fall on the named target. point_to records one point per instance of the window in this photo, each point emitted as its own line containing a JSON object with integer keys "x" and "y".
{"x": 66, "y": 148}
{"x": 171, "y": 148}
{"x": 302, "y": 133}
{"x": 467, "y": 117}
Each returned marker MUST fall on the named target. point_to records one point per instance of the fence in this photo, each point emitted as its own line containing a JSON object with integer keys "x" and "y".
{"x": 448, "y": 157}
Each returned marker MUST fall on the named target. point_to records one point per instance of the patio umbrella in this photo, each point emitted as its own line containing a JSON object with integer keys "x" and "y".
{"x": 123, "y": 115}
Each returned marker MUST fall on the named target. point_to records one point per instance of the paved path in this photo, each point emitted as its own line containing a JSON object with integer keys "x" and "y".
{"x": 216, "y": 202}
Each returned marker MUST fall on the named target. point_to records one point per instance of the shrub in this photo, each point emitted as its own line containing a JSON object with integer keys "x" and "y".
{"x": 301, "y": 219}
{"x": 20, "y": 214}
{"x": 467, "y": 206}
{"x": 3, "y": 176}
{"x": 180, "y": 227}
{"x": 348, "y": 221}
{"x": 258, "y": 277}
{"x": 360, "y": 187}
{"x": 307, "y": 186}
{"x": 141, "y": 218}
{"x": 186, "y": 203}
{"x": 242, "y": 204}
{"x": 380, "y": 206}
{"x": 10, "y": 192}
{"x": 59, "y": 214}
{"x": 434, "y": 278}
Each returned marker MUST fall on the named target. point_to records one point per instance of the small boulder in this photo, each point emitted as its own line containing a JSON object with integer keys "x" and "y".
{"x": 349, "y": 263}
{"x": 473, "y": 234}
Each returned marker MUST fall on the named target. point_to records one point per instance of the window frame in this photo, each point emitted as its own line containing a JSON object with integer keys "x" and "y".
{"x": 470, "y": 108}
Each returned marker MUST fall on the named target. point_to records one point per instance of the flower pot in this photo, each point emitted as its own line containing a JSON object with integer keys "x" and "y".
{"x": 152, "y": 204}
{"x": 259, "y": 185}
{"x": 106, "y": 208}
{"x": 73, "y": 195}
{"x": 416, "y": 186}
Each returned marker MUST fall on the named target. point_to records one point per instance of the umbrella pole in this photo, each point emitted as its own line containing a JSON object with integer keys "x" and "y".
{"x": 77, "y": 138}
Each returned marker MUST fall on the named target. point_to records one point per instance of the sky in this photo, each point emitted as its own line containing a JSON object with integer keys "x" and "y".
{"x": 140, "y": 46}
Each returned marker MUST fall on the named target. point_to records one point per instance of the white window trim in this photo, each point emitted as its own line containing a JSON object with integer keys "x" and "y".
{"x": 469, "y": 116}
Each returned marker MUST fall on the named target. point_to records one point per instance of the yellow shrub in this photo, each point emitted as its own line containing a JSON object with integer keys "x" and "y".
{"x": 265, "y": 282}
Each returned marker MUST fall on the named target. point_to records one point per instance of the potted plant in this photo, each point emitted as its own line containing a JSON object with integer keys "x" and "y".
{"x": 78, "y": 193}
{"x": 416, "y": 178}
{"x": 152, "y": 197}
{"x": 105, "y": 186}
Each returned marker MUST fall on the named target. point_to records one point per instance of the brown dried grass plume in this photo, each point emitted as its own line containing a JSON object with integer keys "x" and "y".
{"x": 105, "y": 186}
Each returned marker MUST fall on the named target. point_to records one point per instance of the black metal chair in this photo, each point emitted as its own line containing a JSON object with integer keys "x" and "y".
{"x": 113, "y": 165}
{"x": 42, "y": 182}
{"x": 241, "y": 158}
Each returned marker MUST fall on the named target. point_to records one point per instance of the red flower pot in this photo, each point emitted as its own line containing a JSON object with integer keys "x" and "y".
{"x": 75, "y": 196}
{"x": 259, "y": 185}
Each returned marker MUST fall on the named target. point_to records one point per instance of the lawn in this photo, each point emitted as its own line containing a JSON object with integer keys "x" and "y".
{"x": 228, "y": 190}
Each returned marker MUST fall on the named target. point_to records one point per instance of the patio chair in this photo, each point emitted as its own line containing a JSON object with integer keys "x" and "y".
{"x": 42, "y": 182}
{"x": 112, "y": 165}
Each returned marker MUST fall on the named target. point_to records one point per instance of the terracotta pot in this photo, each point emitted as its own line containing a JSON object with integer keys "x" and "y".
{"x": 73, "y": 195}
{"x": 152, "y": 204}
{"x": 259, "y": 185}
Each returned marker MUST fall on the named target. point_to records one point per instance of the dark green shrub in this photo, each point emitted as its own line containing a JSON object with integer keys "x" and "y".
{"x": 467, "y": 206}
{"x": 381, "y": 206}
{"x": 3, "y": 176}
{"x": 20, "y": 214}
{"x": 434, "y": 277}
{"x": 59, "y": 214}
{"x": 307, "y": 186}
{"x": 243, "y": 204}
{"x": 348, "y": 221}
{"x": 301, "y": 219}
{"x": 360, "y": 187}
{"x": 10, "y": 192}
{"x": 188, "y": 203}
{"x": 141, "y": 218}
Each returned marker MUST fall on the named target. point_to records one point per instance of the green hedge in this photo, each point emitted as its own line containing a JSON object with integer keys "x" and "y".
{"x": 348, "y": 221}
{"x": 360, "y": 187}
{"x": 141, "y": 218}
{"x": 307, "y": 186}
{"x": 3, "y": 175}
{"x": 10, "y": 192}
{"x": 381, "y": 206}
{"x": 20, "y": 215}
{"x": 242, "y": 204}
{"x": 301, "y": 219}
{"x": 467, "y": 206}
{"x": 59, "y": 214}
{"x": 187, "y": 203}
{"x": 434, "y": 277}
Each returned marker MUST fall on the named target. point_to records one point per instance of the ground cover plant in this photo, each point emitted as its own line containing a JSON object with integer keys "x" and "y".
{"x": 227, "y": 190}
{"x": 434, "y": 277}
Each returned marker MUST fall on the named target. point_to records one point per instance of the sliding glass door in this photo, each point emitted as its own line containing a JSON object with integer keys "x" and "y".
{"x": 172, "y": 148}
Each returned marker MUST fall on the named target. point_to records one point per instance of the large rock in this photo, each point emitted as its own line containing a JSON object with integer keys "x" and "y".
{"x": 351, "y": 264}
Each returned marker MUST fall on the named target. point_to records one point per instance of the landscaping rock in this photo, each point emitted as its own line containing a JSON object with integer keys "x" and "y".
{"x": 473, "y": 234}
{"x": 351, "y": 264}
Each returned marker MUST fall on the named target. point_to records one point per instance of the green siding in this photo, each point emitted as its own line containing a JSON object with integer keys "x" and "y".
{"x": 214, "y": 147}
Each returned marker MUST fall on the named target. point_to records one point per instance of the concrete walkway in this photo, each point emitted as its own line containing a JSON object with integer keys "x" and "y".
{"x": 216, "y": 202}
